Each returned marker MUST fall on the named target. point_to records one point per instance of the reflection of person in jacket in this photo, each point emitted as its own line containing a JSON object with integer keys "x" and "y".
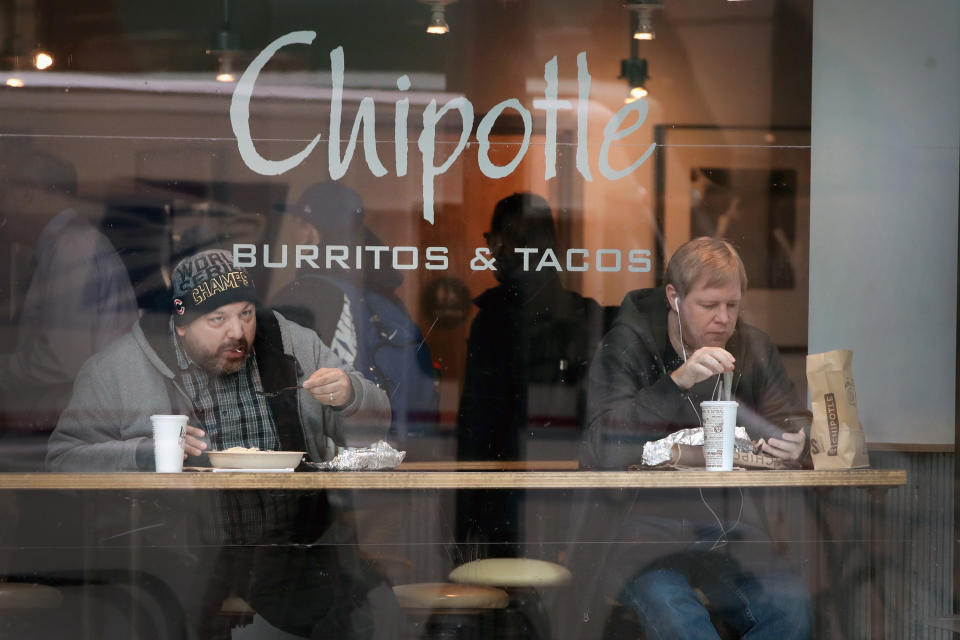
{"x": 79, "y": 300}
{"x": 356, "y": 311}
{"x": 208, "y": 361}
{"x": 663, "y": 356}
{"x": 527, "y": 358}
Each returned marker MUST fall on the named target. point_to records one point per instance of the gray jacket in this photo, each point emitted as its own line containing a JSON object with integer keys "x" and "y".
{"x": 118, "y": 389}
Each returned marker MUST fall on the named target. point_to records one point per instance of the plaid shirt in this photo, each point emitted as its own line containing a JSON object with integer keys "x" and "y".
{"x": 227, "y": 407}
{"x": 232, "y": 415}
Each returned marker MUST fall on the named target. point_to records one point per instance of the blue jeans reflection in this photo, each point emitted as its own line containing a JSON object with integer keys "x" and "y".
{"x": 756, "y": 604}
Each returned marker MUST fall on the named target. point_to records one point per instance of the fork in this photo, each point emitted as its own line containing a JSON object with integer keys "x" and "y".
{"x": 273, "y": 394}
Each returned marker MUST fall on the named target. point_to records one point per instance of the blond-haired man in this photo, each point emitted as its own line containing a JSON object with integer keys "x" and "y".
{"x": 666, "y": 353}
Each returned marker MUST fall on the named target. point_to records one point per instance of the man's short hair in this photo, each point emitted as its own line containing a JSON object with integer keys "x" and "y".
{"x": 713, "y": 257}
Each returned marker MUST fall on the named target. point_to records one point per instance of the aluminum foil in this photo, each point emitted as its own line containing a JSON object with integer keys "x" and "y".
{"x": 657, "y": 452}
{"x": 377, "y": 457}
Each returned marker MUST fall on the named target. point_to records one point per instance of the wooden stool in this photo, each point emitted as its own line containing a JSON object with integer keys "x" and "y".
{"x": 450, "y": 611}
{"x": 521, "y": 577}
{"x": 512, "y": 572}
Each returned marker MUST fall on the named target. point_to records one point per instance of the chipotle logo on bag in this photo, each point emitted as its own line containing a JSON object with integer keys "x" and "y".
{"x": 837, "y": 440}
{"x": 833, "y": 423}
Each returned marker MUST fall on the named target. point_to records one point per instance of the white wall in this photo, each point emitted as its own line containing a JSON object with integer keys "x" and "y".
{"x": 884, "y": 185}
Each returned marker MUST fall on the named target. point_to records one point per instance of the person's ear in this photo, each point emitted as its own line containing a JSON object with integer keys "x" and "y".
{"x": 673, "y": 297}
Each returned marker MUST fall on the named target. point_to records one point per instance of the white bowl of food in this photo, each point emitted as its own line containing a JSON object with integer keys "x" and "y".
{"x": 243, "y": 458}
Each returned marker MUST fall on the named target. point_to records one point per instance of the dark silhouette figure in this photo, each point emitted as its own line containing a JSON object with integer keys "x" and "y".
{"x": 527, "y": 358}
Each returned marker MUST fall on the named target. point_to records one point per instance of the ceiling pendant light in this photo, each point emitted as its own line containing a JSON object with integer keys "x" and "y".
{"x": 15, "y": 79}
{"x": 634, "y": 68}
{"x": 642, "y": 18}
{"x": 42, "y": 60}
{"x": 634, "y": 71}
{"x": 644, "y": 30}
{"x": 438, "y": 19}
{"x": 225, "y": 68}
{"x": 226, "y": 45}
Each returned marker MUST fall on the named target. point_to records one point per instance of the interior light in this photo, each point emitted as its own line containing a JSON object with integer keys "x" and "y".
{"x": 14, "y": 82}
{"x": 42, "y": 60}
{"x": 438, "y": 21}
{"x": 225, "y": 45}
{"x": 635, "y": 93}
{"x": 225, "y": 69}
{"x": 634, "y": 71}
{"x": 644, "y": 29}
{"x": 641, "y": 17}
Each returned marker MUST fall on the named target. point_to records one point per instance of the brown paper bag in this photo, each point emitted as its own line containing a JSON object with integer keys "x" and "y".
{"x": 836, "y": 437}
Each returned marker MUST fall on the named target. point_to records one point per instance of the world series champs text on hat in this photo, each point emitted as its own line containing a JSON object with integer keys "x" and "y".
{"x": 206, "y": 281}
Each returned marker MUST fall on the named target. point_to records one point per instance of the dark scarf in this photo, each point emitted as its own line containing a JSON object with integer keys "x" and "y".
{"x": 277, "y": 370}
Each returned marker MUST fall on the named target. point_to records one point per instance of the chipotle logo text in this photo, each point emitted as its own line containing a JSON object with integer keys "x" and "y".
{"x": 833, "y": 422}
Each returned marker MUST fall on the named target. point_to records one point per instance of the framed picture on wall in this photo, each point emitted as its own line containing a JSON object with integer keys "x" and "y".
{"x": 750, "y": 186}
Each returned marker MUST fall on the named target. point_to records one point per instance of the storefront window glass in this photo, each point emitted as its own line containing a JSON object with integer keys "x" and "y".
{"x": 478, "y": 265}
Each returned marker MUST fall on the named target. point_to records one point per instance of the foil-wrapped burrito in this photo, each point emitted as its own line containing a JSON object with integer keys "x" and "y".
{"x": 658, "y": 452}
{"x": 377, "y": 457}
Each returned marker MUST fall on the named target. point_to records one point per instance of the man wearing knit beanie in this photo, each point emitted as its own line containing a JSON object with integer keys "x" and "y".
{"x": 208, "y": 284}
{"x": 246, "y": 377}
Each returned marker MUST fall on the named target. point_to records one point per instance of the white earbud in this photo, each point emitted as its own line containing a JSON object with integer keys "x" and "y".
{"x": 676, "y": 305}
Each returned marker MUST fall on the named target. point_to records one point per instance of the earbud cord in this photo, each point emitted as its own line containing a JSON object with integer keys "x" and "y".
{"x": 722, "y": 540}
{"x": 676, "y": 303}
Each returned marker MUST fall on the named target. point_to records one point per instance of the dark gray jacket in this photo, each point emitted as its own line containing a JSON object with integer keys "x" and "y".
{"x": 118, "y": 389}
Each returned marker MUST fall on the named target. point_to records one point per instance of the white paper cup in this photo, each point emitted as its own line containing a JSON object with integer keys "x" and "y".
{"x": 719, "y": 426}
{"x": 168, "y": 434}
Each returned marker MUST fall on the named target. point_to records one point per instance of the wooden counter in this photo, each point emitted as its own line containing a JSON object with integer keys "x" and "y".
{"x": 402, "y": 480}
